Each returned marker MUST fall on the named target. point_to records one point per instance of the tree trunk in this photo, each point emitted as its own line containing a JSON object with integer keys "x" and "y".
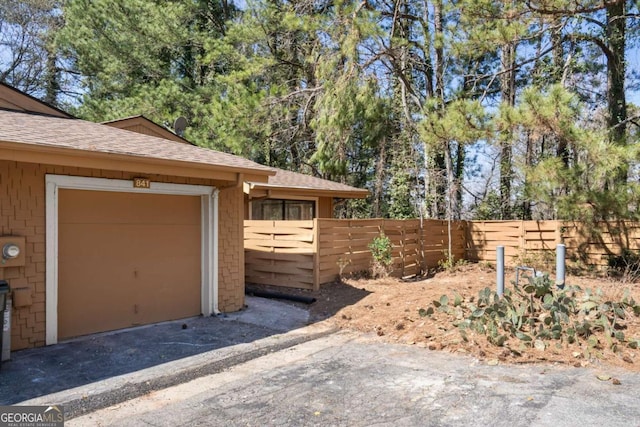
{"x": 378, "y": 190}
{"x": 508, "y": 91}
{"x": 526, "y": 208}
{"x": 442, "y": 169}
{"x": 459, "y": 177}
{"x": 616, "y": 28}
{"x": 52, "y": 79}
{"x": 562, "y": 150}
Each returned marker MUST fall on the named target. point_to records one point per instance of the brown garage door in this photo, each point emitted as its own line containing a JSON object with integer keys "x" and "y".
{"x": 126, "y": 259}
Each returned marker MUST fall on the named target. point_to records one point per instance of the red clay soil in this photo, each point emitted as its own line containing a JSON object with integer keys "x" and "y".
{"x": 390, "y": 308}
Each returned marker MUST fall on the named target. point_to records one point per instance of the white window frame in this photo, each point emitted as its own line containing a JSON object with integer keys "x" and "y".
{"x": 208, "y": 229}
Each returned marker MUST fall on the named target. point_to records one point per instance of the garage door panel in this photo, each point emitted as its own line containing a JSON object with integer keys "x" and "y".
{"x": 127, "y": 272}
{"x": 143, "y": 241}
{"x": 126, "y": 208}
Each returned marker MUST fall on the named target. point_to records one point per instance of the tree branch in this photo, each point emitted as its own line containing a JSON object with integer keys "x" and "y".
{"x": 556, "y": 12}
{"x": 601, "y": 44}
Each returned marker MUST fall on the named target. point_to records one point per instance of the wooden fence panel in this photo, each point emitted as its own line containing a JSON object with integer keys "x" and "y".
{"x": 305, "y": 254}
{"x": 343, "y": 246}
{"x": 590, "y": 245}
{"x": 281, "y": 253}
{"x": 435, "y": 242}
{"x": 596, "y": 245}
{"x": 417, "y": 245}
{"x": 519, "y": 238}
{"x": 483, "y": 237}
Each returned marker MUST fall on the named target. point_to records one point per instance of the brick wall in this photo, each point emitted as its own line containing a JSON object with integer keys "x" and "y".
{"x": 22, "y": 213}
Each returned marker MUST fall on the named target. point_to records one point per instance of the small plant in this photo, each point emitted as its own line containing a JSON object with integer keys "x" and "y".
{"x": 450, "y": 264}
{"x": 342, "y": 264}
{"x": 486, "y": 265}
{"x": 381, "y": 249}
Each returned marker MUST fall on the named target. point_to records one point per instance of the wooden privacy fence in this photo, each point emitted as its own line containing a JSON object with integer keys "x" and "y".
{"x": 587, "y": 244}
{"x": 283, "y": 253}
{"x": 344, "y": 245}
{"x": 517, "y": 237}
{"x": 305, "y": 254}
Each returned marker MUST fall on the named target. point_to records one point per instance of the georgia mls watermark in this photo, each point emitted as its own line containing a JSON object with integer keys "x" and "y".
{"x": 31, "y": 416}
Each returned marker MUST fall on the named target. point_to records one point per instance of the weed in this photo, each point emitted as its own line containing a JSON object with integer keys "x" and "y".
{"x": 625, "y": 266}
{"x": 342, "y": 264}
{"x": 450, "y": 264}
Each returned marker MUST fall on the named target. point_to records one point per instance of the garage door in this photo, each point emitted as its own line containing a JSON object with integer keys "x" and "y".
{"x": 126, "y": 259}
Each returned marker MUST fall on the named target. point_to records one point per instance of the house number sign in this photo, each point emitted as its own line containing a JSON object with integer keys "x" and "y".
{"x": 141, "y": 183}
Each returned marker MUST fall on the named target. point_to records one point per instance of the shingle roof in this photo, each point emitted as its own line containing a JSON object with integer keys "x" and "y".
{"x": 48, "y": 131}
{"x": 128, "y": 122}
{"x": 295, "y": 180}
{"x": 14, "y": 99}
{"x": 282, "y": 178}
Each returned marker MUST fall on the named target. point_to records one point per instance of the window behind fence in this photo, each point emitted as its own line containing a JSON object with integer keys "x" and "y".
{"x": 281, "y": 209}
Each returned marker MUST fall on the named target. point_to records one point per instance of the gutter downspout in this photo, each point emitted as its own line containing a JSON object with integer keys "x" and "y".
{"x": 214, "y": 261}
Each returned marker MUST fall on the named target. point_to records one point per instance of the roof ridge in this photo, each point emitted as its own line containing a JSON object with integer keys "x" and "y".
{"x": 38, "y": 113}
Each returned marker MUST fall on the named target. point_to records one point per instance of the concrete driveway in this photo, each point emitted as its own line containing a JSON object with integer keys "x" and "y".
{"x": 344, "y": 379}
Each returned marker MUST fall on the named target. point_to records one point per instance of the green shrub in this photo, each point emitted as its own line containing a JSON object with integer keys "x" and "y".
{"x": 381, "y": 249}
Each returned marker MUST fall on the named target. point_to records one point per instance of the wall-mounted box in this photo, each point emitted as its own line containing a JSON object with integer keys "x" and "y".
{"x": 17, "y": 261}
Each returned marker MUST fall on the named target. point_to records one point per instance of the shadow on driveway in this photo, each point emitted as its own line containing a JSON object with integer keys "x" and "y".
{"x": 45, "y": 370}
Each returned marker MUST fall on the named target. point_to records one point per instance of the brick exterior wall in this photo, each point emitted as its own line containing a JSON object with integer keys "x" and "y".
{"x": 22, "y": 213}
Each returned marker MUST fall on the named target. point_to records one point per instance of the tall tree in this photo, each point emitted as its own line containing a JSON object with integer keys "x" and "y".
{"x": 605, "y": 26}
{"x": 145, "y": 57}
{"x": 359, "y": 91}
{"x": 29, "y": 57}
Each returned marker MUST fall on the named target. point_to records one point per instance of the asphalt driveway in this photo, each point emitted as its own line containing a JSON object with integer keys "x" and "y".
{"x": 344, "y": 379}
{"x": 263, "y": 366}
{"x": 109, "y": 356}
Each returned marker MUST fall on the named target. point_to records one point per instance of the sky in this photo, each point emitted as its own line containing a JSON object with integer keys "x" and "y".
{"x": 633, "y": 64}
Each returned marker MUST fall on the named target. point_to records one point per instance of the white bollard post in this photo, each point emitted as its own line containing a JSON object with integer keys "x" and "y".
{"x": 500, "y": 269}
{"x": 561, "y": 251}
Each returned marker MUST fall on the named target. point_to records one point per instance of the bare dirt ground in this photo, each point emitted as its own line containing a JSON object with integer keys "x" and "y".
{"x": 390, "y": 309}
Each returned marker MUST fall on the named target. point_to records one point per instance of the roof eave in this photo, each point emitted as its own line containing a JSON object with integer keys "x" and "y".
{"x": 83, "y": 158}
{"x": 310, "y": 191}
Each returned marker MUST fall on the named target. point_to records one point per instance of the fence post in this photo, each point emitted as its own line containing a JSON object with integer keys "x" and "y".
{"x": 403, "y": 253}
{"x": 422, "y": 262}
{"x": 500, "y": 269}
{"x": 316, "y": 254}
